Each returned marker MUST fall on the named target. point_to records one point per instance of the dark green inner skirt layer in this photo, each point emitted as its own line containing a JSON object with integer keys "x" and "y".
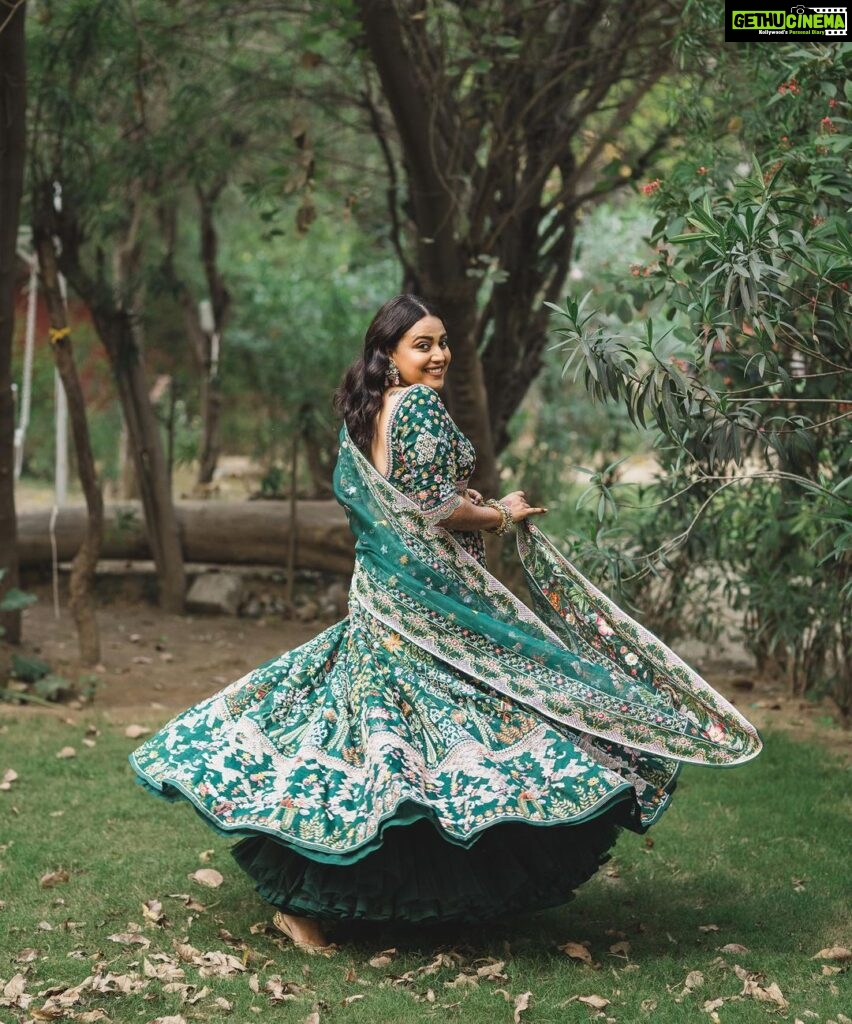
{"x": 417, "y": 876}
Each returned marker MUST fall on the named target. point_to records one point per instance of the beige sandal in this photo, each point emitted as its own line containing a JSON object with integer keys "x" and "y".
{"x": 313, "y": 948}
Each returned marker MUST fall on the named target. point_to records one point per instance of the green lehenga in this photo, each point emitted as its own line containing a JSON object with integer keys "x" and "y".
{"x": 444, "y": 751}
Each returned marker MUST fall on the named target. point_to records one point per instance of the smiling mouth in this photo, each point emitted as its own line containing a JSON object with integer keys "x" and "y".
{"x": 436, "y": 372}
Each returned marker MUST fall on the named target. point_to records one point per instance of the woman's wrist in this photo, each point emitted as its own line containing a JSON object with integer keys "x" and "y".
{"x": 505, "y": 514}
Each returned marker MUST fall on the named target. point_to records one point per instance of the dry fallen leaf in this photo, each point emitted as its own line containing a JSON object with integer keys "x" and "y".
{"x": 9, "y": 776}
{"x": 620, "y": 948}
{"x": 312, "y": 1018}
{"x": 14, "y": 994}
{"x": 176, "y": 1019}
{"x": 188, "y": 901}
{"x": 492, "y": 971}
{"x": 126, "y": 938}
{"x": 348, "y": 1000}
{"x": 281, "y": 991}
{"x": 185, "y": 951}
{"x": 596, "y": 1002}
{"x": 733, "y": 947}
{"x": 708, "y": 928}
{"x": 124, "y": 983}
{"x": 61, "y": 999}
{"x": 66, "y": 752}
{"x": 577, "y": 951}
{"x": 833, "y": 953}
{"x": 463, "y": 981}
{"x": 168, "y": 971}
{"x": 218, "y": 964}
{"x": 133, "y": 732}
{"x": 382, "y": 959}
{"x": 522, "y": 1003}
{"x": 25, "y": 956}
{"x": 207, "y": 876}
{"x": 51, "y": 878}
{"x": 751, "y": 989}
{"x": 152, "y": 910}
{"x": 221, "y": 1003}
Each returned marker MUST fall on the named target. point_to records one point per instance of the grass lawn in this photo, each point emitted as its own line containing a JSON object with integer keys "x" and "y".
{"x": 759, "y": 856}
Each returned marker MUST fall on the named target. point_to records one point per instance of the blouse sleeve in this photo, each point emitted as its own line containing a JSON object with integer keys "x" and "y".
{"x": 427, "y": 438}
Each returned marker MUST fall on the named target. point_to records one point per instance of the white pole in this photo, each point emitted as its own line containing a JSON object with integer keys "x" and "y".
{"x": 61, "y": 472}
{"x": 61, "y": 465}
{"x": 26, "y": 385}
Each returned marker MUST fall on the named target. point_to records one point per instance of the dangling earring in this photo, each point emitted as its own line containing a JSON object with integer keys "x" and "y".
{"x": 392, "y": 375}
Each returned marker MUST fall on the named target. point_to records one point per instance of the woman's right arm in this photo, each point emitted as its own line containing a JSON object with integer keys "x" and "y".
{"x": 485, "y": 517}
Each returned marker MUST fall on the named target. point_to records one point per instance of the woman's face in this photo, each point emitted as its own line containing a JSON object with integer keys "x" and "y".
{"x": 422, "y": 354}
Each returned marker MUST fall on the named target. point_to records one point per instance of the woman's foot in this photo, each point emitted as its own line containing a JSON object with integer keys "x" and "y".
{"x": 305, "y": 932}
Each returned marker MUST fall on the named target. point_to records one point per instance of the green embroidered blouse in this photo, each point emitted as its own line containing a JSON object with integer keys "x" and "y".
{"x": 430, "y": 460}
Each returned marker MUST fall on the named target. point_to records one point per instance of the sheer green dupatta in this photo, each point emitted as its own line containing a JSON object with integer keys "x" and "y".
{"x": 622, "y": 695}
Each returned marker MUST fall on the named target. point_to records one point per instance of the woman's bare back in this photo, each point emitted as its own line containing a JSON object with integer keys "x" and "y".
{"x": 380, "y": 457}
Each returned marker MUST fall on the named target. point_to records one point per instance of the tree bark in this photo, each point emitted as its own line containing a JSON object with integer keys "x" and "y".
{"x": 118, "y": 328}
{"x": 500, "y": 152}
{"x": 115, "y": 329}
{"x": 220, "y": 301}
{"x": 13, "y": 105}
{"x": 443, "y": 259}
{"x": 81, "y": 585}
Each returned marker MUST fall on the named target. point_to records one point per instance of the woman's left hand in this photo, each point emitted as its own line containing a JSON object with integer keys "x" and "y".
{"x": 474, "y": 496}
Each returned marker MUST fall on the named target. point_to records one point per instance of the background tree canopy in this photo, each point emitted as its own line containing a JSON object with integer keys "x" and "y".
{"x": 231, "y": 190}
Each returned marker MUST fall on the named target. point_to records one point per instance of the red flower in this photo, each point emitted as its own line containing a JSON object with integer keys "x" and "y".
{"x": 651, "y": 187}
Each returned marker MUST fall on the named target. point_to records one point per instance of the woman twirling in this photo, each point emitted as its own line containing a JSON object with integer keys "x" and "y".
{"x": 443, "y": 752}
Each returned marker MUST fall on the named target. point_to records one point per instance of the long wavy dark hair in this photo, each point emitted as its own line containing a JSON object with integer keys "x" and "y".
{"x": 358, "y": 398}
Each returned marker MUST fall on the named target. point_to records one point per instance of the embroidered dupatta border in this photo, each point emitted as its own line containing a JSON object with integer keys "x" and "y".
{"x": 471, "y": 582}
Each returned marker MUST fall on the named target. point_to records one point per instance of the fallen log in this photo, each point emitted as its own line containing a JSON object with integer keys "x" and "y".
{"x": 221, "y": 532}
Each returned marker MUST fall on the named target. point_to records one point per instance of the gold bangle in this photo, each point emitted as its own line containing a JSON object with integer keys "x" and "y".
{"x": 505, "y": 516}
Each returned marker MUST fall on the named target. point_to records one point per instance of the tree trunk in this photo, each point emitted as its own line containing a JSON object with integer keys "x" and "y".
{"x": 128, "y": 488}
{"x": 210, "y": 355}
{"x": 500, "y": 151}
{"x": 442, "y": 254}
{"x": 112, "y": 309}
{"x": 211, "y": 408}
{"x": 13, "y": 104}
{"x": 116, "y": 332}
{"x": 81, "y": 585}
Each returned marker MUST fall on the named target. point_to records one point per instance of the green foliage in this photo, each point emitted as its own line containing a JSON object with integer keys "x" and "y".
{"x": 302, "y": 307}
{"x": 29, "y": 670}
{"x": 14, "y": 599}
{"x": 749, "y": 383}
